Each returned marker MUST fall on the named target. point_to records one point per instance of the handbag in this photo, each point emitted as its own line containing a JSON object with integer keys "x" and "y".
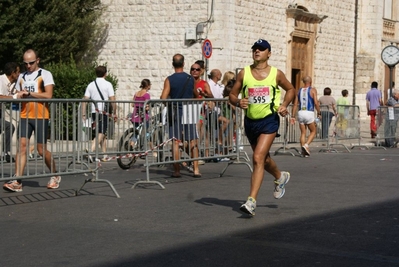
{"x": 107, "y": 106}
{"x": 172, "y": 109}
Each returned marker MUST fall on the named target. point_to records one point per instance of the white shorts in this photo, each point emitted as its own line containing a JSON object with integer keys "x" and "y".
{"x": 305, "y": 117}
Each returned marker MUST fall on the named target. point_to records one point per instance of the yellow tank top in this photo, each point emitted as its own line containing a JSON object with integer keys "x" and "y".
{"x": 264, "y": 96}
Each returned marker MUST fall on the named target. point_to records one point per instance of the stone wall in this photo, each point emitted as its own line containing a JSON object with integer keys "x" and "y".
{"x": 144, "y": 35}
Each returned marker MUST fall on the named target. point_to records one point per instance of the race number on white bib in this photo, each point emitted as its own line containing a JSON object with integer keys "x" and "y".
{"x": 259, "y": 95}
{"x": 30, "y": 86}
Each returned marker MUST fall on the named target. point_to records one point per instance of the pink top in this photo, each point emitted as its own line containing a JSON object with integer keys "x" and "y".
{"x": 139, "y": 107}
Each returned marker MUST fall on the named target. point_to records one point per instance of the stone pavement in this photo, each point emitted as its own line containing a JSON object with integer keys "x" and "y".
{"x": 340, "y": 209}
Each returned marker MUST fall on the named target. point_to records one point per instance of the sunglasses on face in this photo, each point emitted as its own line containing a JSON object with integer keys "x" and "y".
{"x": 30, "y": 63}
{"x": 258, "y": 48}
{"x": 195, "y": 69}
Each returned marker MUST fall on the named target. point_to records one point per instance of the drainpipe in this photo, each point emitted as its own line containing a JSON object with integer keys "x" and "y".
{"x": 355, "y": 54}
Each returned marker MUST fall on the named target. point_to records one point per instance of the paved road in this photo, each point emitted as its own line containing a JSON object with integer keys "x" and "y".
{"x": 340, "y": 209}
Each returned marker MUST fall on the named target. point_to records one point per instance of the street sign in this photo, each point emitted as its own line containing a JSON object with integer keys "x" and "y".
{"x": 207, "y": 48}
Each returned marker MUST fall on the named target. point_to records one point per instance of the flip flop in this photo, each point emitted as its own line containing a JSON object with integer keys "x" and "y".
{"x": 176, "y": 176}
{"x": 198, "y": 175}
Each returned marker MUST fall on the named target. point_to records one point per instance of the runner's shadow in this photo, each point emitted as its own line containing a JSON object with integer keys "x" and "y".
{"x": 233, "y": 204}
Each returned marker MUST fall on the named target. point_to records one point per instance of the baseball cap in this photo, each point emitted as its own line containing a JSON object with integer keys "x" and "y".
{"x": 262, "y": 43}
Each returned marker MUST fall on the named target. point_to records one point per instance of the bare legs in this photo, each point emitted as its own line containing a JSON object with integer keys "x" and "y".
{"x": 261, "y": 162}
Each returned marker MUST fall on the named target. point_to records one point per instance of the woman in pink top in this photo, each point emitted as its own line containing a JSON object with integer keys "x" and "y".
{"x": 139, "y": 112}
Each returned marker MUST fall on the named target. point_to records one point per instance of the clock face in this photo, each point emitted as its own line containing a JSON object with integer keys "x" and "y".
{"x": 390, "y": 55}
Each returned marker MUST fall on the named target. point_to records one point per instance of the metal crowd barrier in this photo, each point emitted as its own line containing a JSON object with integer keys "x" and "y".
{"x": 288, "y": 134}
{"x": 214, "y": 122}
{"x": 67, "y": 141}
{"x": 347, "y": 126}
{"x": 387, "y": 126}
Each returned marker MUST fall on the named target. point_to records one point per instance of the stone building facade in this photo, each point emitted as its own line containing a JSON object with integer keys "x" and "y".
{"x": 338, "y": 43}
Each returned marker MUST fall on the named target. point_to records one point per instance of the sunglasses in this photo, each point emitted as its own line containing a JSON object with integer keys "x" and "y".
{"x": 30, "y": 63}
{"x": 258, "y": 48}
{"x": 194, "y": 69}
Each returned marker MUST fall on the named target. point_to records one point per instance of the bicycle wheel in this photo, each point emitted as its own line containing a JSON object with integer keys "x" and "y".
{"x": 125, "y": 147}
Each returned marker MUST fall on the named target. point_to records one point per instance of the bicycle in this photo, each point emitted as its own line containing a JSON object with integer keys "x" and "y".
{"x": 132, "y": 142}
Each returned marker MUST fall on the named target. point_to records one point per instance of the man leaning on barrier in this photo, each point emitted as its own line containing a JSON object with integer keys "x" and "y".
{"x": 34, "y": 83}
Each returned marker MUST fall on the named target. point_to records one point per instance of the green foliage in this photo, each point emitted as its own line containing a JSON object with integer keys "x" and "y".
{"x": 54, "y": 28}
{"x": 72, "y": 79}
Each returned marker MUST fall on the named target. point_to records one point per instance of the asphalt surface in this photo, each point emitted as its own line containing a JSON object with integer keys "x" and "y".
{"x": 339, "y": 209}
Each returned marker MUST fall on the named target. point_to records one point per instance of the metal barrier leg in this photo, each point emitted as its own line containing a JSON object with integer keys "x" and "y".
{"x": 98, "y": 181}
{"x": 235, "y": 162}
{"x": 148, "y": 181}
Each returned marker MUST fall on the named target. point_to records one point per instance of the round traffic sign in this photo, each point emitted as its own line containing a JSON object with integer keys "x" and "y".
{"x": 207, "y": 48}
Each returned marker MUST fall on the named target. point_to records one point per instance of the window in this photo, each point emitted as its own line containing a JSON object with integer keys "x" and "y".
{"x": 388, "y": 9}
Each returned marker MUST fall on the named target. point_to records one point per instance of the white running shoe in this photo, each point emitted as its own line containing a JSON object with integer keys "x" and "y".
{"x": 249, "y": 206}
{"x": 54, "y": 182}
{"x": 279, "y": 188}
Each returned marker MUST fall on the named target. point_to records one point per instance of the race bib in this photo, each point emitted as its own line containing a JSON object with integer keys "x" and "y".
{"x": 30, "y": 86}
{"x": 259, "y": 95}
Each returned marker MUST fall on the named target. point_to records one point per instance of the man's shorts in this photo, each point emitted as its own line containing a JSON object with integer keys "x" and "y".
{"x": 39, "y": 126}
{"x": 102, "y": 122}
{"x": 267, "y": 125}
{"x": 183, "y": 132}
{"x": 305, "y": 117}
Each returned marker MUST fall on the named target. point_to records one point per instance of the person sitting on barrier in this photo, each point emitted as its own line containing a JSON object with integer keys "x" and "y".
{"x": 180, "y": 85}
{"x": 391, "y": 119}
{"x": 306, "y": 102}
{"x": 374, "y": 100}
{"x": 343, "y": 113}
{"x": 326, "y": 115}
{"x": 10, "y": 76}
{"x": 259, "y": 85}
{"x": 99, "y": 90}
{"x": 34, "y": 83}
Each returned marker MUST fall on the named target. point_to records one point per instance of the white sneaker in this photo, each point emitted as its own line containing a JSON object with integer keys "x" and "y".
{"x": 249, "y": 206}
{"x": 54, "y": 182}
{"x": 279, "y": 188}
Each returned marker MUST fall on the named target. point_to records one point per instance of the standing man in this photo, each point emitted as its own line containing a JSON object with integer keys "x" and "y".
{"x": 307, "y": 100}
{"x": 34, "y": 83}
{"x": 180, "y": 85}
{"x": 259, "y": 84}
{"x": 10, "y": 76}
{"x": 100, "y": 90}
{"x": 374, "y": 100}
